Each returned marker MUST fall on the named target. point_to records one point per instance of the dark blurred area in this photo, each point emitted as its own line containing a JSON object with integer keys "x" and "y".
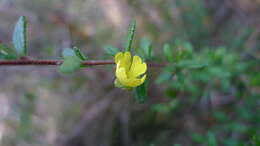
{"x": 218, "y": 105}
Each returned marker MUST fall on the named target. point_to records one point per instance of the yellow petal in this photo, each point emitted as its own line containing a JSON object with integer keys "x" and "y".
{"x": 134, "y": 82}
{"x": 137, "y": 68}
{"x": 120, "y": 72}
{"x": 126, "y": 61}
{"x": 141, "y": 81}
{"x": 124, "y": 58}
{"x": 128, "y": 70}
{"x": 125, "y": 81}
{"x": 118, "y": 57}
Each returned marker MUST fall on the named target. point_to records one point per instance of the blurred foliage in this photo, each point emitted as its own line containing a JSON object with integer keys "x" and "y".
{"x": 217, "y": 77}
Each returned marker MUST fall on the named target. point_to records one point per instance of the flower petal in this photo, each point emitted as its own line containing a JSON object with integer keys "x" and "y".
{"x": 134, "y": 82}
{"x": 120, "y": 72}
{"x": 127, "y": 61}
{"x": 118, "y": 57}
{"x": 124, "y": 58}
{"x": 128, "y": 71}
{"x": 137, "y": 68}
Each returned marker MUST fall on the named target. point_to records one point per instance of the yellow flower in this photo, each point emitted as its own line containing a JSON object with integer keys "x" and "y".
{"x": 129, "y": 71}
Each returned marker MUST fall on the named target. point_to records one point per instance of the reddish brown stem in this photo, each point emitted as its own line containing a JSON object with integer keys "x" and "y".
{"x": 59, "y": 62}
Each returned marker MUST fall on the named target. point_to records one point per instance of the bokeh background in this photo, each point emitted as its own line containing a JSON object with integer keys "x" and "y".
{"x": 218, "y": 105}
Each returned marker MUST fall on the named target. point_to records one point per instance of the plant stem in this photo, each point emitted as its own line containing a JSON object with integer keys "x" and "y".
{"x": 59, "y": 62}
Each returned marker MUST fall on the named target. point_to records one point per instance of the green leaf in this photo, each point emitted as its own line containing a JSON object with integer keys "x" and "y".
{"x": 6, "y": 52}
{"x": 165, "y": 108}
{"x": 191, "y": 64}
{"x": 212, "y": 139}
{"x": 184, "y": 51}
{"x": 255, "y": 80}
{"x": 79, "y": 53}
{"x": 221, "y": 116}
{"x": 146, "y": 46}
{"x": 219, "y": 72}
{"x": 71, "y": 62}
{"x": 20, "y": 37}
{"x": 67, "y": 52}
{"x": 130, "y": 36}
{"x": 161, "y": 108}
{"x": 140, "y": 93}
{"x": 168, "y": 53}
{"x": 171, "y": 93}
{"x": 197, "y": 137}
{"x": 163, "y": 77}
{"x": 256, "y": 139}
{"x": 111, "y": 50}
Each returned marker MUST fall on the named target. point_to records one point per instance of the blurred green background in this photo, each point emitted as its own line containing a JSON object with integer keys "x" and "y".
{"x": 214, "y": 105}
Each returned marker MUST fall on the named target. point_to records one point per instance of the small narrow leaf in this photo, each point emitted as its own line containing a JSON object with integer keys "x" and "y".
{"x": 168, "y": 53}
{"x": 140, "y": 93}
{"x": 20, "y": 37}
{"x": 130, "y": 36}
{"x": 79, "y": 54}
{"x": 146, "y": 46}
{"x": 6, "y": 52}
{"x": 111, "y": 50}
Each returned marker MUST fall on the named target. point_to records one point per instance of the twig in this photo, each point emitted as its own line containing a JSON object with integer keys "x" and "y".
{"x": 59, "y": 62}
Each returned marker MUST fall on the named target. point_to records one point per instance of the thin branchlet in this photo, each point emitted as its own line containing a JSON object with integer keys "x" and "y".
{"x": 59, "y": 62}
